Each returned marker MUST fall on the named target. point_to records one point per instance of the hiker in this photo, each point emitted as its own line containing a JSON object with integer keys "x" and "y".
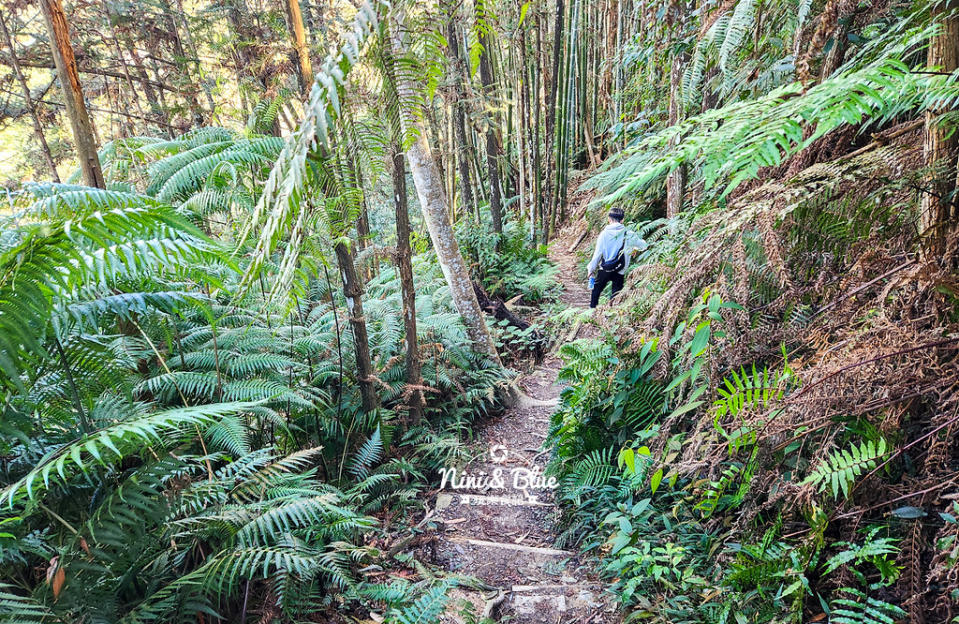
{"x": 614, "y": 247}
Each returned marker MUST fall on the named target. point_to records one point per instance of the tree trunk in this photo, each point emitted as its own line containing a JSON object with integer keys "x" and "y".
{"x": 432, "y": 196}
{"x": 364, "y": 237}
{"x": 184, "y": 66}
{"x": 676, "y": 180}
{"x": 353, "y": 291}
{"x": 436, "y": 146}
{"x": 522, "y": 132}
{"x": 539, "y": 233}
{"x": 76, "y": 107}
{"x": 302, "y": 49}
{"x": 404, "y": 267}
{"x": 551, "y": 116}
{"x": 28, "y": 101}
{"x": 492, "y": 147}
{"x": 459, "y": 121}
{"x": 938, "y": 214}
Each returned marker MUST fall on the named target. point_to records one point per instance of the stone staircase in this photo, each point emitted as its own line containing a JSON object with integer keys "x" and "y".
{"x": 504, "y": 537}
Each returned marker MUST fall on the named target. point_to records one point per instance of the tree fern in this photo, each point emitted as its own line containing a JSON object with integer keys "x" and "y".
{"x": 113, "y": 443}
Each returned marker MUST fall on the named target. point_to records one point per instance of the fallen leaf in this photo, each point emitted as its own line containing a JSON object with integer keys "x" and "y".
{"x": 56, "y": 576}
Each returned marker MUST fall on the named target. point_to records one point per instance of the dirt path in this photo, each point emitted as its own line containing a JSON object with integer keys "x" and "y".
{"x": 495, "y": 531}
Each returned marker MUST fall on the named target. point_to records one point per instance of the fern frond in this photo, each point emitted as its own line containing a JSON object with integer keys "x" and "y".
{"x": 839, "y": 471}
{"x": 113, "y": 443}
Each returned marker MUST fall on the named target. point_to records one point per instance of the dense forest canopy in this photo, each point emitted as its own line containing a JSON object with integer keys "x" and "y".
{"x": 269, "y": 267}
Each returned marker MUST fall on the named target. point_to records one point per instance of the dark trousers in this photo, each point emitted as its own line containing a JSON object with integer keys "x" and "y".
{"x": 603, "y": 278}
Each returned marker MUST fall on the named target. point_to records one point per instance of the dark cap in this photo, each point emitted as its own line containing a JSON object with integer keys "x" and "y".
{"x": 616, "y": 213}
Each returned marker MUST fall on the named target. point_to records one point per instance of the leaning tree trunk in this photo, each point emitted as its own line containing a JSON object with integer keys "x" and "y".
{"x": 28, "y": 101}
{"x": 938, "y": 214}
{"x": 432, "y": 196}
{"x": 353, "y": 291}
{"x": 76, "y": 107}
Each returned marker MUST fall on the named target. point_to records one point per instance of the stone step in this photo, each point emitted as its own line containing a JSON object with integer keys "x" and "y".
{"x": 569, "y": 601}
{"x": 495, "y": 518}
{"x": 571, "y": 605}
{"x": 502, "y": 564}
{"x": 533, "y": 550}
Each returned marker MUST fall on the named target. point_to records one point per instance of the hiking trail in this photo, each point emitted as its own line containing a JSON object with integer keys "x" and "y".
{"x": 501, "y": 536}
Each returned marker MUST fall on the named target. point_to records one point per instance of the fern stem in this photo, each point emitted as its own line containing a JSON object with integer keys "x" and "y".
{"x": 57, "y": 517}
{"x": 206, "y": 453}
{"x": 77, "y": 402}
{"x": 339, "y": 347}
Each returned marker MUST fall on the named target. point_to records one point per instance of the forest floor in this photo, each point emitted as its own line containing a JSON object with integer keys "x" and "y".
{"x": 504, "y": 536}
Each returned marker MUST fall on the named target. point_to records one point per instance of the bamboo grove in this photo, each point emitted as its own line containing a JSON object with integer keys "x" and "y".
{"x": 260, "y": 266}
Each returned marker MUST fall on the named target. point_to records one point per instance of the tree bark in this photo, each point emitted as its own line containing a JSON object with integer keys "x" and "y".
{"x": 489, "y": 116}
{"x": 459, "y": 121}
{"x": 353, "y": 291}
{"x": 432, "y": 196}
{"x": 676, "y": 180}
{"x": 28, "y": 102}
{"x": 302, "y": 49}
{"x": 938, "y": 214}
{"x": 364, "y": 236}
{"x": 552, "y": 154}
{"x": 539, "y": 233}
{"x": 404, "y": 265}
{"x": 76, "y": 107}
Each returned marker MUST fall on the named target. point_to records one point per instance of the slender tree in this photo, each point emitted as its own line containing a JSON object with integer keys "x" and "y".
{"x": 484, "y": 28}
{"x": 551, "y": 117}
{"x": 432, "y": 196}
{"x": 462, "y": 147}
{"x": 676, "y": 180}
{"x": 66, "y": 65}
{"x": 404, "y": 265}
{"x": 353, "y": 291}
{"x": 404, "y": 254}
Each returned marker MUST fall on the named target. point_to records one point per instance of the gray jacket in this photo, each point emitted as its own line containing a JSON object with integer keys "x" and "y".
{"x": 609, "y": 243}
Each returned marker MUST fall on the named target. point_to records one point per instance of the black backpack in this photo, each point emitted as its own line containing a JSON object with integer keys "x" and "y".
{"x": 616, "y": 264}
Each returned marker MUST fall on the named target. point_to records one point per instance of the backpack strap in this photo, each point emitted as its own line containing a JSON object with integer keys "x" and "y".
{"x": 622, "y": 248}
